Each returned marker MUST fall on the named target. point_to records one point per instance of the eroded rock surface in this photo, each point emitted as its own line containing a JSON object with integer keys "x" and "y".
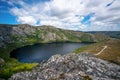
{"x": 83, "y": 66}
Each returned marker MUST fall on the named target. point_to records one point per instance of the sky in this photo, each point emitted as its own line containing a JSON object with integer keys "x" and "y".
{"x": 80, "y": 15}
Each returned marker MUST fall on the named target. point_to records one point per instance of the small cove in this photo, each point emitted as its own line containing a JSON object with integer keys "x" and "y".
{"x": 41, "y": 52}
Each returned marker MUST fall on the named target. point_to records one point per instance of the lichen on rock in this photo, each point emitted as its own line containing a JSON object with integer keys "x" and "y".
{"x": 83, "y": 66}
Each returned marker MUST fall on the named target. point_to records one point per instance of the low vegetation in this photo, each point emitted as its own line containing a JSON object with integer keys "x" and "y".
{"x": 111, "y": 53}
{"x": 13, "y": 66}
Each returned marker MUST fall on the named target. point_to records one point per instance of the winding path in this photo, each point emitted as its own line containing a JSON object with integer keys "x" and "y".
{"x": 101, "y": 50}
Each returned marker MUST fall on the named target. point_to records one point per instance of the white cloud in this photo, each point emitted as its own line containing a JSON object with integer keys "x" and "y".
{"x": 27, "y": 19}
{"x": 63, "y": 8}
{"x": 68, "y": 14}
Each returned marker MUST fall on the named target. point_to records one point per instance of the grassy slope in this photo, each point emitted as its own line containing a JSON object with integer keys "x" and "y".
{"x": 12, "y": 66}
{"x": 111, "y": 53}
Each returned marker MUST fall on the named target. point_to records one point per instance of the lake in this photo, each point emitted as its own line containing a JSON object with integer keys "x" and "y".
{"x": 40, "y": 52}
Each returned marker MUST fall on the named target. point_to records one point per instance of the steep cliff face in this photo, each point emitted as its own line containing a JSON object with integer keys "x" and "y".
{"x": 83, "y": 66}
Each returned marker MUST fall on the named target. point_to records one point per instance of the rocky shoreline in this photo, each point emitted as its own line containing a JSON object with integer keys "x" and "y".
{"x": 83, "y": 66}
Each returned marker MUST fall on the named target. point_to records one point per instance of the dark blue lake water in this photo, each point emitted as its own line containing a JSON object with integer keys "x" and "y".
{"x": 40, "y": 52}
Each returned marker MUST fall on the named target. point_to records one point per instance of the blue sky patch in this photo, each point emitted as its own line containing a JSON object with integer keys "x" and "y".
{"x": 87, "y": 18}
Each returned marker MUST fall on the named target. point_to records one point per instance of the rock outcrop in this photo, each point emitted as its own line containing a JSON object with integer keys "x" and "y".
{"x": 2, "y": 62}
{"x": 83, "y": 66}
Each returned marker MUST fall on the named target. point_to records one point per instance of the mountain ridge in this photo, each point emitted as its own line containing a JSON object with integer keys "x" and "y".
{"x": 15, "y": 36}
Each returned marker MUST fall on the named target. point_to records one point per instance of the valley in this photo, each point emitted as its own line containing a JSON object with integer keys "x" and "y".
{"x": 17, "y": 36}
{"x": 59, "y": 39}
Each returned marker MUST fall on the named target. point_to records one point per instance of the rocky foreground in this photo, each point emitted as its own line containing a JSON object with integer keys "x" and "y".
{"x": 82, "y": 66}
